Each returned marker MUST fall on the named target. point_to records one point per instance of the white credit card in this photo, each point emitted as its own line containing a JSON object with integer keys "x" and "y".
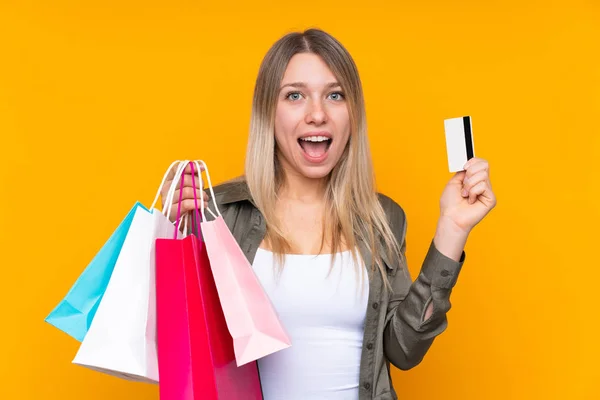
{"x": 459, "y": 142}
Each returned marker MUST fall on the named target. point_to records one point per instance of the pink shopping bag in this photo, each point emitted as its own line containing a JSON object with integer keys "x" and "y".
{"x": 195, "y": 351}
{"x": 251, "y": 318}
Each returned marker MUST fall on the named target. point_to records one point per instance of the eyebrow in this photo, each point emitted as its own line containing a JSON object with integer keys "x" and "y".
{"x": 304, "y": 85}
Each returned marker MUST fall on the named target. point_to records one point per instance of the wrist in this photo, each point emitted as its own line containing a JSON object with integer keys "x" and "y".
{"x": 447, "y": 224}
{"x": 450, "y": 239}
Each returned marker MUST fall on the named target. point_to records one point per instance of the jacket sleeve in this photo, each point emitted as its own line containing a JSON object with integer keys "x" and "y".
{"x": 407, "y": 336}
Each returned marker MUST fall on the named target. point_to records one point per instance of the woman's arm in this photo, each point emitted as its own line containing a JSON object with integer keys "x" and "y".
{"x": 449, "y": 241}
{"x": 417, "y": 311}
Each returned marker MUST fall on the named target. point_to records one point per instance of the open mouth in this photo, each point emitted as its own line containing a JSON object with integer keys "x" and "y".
{"x": 315, "y": 146}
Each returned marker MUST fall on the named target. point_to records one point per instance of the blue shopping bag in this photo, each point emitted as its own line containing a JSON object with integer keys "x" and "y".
{"x": 75, "y": 312}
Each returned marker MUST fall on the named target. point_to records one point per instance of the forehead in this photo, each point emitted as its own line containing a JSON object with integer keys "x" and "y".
{"x": 308, "y": 68}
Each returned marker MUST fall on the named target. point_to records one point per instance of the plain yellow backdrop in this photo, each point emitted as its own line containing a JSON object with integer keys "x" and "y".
{"x": 98, "y": 97}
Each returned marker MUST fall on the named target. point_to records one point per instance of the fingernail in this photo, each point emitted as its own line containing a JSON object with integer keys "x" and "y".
{"x": 464, "y": 192}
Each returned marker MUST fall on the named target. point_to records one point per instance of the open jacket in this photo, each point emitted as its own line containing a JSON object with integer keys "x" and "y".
{"x": 395, "y": 331}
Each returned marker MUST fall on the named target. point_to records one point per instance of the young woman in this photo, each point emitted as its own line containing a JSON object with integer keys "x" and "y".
{"x": 328, "y": 249}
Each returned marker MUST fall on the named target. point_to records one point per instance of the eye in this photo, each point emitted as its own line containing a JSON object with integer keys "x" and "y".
{"x": 337, "y": 96}
{"x": 293, "y": 96}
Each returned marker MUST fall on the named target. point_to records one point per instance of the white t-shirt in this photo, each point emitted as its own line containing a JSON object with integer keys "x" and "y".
{"x": 324, "y": 316}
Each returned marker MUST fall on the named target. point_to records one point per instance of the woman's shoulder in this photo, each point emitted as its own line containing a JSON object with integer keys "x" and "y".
{"x": 394, "y": 212}
{"x": 232, "y": 191}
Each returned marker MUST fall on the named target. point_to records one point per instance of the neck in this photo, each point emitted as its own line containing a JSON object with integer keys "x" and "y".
{"x": 300, "y": 188}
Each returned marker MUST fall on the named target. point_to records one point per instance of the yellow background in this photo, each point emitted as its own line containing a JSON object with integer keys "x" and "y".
{"x": 98, "y": 97}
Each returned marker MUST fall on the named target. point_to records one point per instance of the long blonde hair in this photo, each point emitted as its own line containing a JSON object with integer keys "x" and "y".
{"x": 353, "y": 211}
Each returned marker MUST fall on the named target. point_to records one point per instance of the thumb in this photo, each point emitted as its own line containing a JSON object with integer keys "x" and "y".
{"x": 459, "y": 177}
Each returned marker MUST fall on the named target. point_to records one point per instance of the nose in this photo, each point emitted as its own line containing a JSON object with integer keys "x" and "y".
{"x": 315, "y": 113}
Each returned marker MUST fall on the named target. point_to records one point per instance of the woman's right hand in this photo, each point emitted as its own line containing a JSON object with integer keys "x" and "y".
{"x": 187, "y": 197}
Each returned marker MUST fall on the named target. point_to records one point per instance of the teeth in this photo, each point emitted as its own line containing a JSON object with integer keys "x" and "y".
{"x": 314, "y": 138}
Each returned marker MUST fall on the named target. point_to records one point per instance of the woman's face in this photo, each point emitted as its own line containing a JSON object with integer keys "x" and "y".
{"x": 312, "y": 124}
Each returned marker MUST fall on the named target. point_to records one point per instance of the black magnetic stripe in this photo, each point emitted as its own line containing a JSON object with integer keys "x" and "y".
{"x": 468, "y": 141}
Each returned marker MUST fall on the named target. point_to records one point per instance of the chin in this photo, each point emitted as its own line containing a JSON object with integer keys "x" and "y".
{"x": 315, "y": 171}
{"x": 312, "y": 174}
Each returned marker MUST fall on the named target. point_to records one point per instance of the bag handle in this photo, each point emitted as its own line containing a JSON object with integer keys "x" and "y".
{"x": 212, "y": 193}
{"x": 197, "y": 224}
{"x": 195, "y": 201}
{"x": 178, "y": 208}
{"x": 162, "y": 183}
{"x": 202, "y": 198}
{"x": 185, "y": 219}
{"x": 171, "y": 192}
{"x": 181, "y": 172}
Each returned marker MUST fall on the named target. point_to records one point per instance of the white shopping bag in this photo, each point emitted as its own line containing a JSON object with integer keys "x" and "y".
{"x": 121, "y": 340}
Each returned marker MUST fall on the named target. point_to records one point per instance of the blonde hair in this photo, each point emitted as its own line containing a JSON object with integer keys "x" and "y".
{"x": 353, "y": 211}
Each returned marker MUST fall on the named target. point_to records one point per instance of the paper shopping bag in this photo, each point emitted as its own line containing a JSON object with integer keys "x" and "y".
{"x": 75, "y": 312}
{"x": 121, "y": 340}
{"x": 251, "y": 317}
{"x": 195, "y": 351}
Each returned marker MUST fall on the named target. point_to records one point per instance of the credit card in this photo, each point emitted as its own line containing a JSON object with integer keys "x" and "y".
{"x": 459, "y": 142}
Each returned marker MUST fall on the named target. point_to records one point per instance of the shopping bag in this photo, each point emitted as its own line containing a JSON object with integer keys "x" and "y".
{"x": 121, "y": 340}
{"x": 74, "y": 313}
{"x": 195, "y": 351}
{"x": 251, "y": 318}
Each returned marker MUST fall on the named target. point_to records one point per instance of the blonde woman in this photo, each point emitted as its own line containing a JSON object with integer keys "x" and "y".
{"x": 328, "y": 249}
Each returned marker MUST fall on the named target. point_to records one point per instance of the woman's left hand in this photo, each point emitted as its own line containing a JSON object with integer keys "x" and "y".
{"x": 468, "y": 197}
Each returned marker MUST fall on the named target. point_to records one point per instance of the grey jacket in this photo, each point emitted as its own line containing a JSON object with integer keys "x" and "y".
{"x": 395, "y": 331}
